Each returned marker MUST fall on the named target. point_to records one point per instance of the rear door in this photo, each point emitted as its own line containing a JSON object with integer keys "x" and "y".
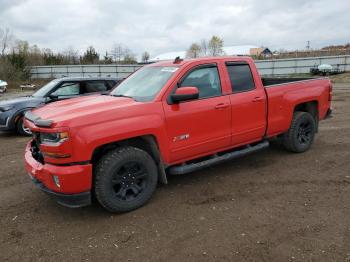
{"x": 248, "y": 104}
{"x": 200, "y": 126}
{"x": 95, "y": 86}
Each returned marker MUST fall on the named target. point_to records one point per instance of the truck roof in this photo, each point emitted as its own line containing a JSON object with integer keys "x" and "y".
{"x": 79, "y": 78}
{"x": 191, "y": 60}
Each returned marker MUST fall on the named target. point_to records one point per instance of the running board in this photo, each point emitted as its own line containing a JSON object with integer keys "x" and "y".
{"x": 187, "y": 168}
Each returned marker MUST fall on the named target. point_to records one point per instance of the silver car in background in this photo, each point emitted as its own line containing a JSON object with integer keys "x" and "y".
{"x": 3, "y": 86}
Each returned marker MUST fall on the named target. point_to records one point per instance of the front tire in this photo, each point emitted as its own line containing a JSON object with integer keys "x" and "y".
{"x": 125, "y": 179}
{"x": 301, "y": 133}
{"x": 21, "y": 129}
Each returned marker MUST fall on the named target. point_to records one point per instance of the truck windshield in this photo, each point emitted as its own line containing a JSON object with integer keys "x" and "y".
{"x": 46, "y": 88}
{"x": 146, "y": 83}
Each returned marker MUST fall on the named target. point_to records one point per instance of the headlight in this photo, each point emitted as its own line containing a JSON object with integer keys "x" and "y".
{"x": 53, "y": 138}
{"x": 5, "y": 108}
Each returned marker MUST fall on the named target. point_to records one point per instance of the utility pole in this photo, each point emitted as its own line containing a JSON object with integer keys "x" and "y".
{"x": 308, "y": 45}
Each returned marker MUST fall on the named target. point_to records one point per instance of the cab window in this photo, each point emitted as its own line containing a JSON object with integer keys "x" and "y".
{"x": 95, "y": 86}
{"x": 206, "y": 79}
{"x": 241, "y": 77}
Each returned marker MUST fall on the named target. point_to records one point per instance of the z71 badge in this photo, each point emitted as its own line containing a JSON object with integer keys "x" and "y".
{"x": 182, "y": 137}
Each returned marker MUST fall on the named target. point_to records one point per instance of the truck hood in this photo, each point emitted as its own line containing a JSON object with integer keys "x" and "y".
{"x": 22, "y": 100}
{"x": 81, "y": 107}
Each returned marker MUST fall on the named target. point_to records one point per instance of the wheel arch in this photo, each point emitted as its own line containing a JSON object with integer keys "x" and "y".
{"x": 16, "y": 116}
{"x": 310, "y": 107}
{"x": 147, "y": 143}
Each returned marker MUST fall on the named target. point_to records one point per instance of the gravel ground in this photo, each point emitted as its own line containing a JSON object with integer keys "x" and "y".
{"x": 270, "y": 206}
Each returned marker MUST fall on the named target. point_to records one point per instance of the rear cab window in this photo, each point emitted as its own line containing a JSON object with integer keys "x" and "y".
{"x": 241, "y": 77}
{"x": 95, "y": 86}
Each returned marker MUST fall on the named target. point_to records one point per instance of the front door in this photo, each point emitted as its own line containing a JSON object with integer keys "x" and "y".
{"x": 203, "y": 125}
{"x": 66, "y": 90}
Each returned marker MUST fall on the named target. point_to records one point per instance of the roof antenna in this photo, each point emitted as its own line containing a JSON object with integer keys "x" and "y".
{"x": 178, "y": 60}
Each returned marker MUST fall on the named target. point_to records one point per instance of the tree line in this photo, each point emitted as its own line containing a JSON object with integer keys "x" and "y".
{"x": 16, "y": 55}
{"x": 213, "y": 47}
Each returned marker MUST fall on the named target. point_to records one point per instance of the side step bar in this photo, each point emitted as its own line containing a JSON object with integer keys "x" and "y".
{"x": 184, "y": 169}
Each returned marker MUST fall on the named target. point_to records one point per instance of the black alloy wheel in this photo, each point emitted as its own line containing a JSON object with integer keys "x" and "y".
{"x": 130, "y": 180}
{"x": 301, "y": 133}
{"x": 125, "y": 179}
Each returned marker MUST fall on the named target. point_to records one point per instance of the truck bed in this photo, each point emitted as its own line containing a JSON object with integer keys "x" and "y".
{"x": 270, "y": 81}
{"x": 290, "y": 92}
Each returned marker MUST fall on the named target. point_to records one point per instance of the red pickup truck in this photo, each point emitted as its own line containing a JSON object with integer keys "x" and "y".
{"x": 170, "y": 117}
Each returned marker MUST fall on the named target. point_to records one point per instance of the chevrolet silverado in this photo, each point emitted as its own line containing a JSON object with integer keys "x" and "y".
{"x": 171, "y": 117}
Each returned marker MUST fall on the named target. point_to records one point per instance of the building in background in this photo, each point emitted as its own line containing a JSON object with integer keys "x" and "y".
{"x": 239, "y": 50}
{"x": 261, "y": 52}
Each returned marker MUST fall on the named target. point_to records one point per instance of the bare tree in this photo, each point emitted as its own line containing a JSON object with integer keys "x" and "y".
{"x": 204, "y": 47}
{"x": 71, "y": 55}
{"x": 194, "y": 51}
{"x": 118, "y": 52}
{"x": 126, "y": 51}
{"x": 145, "y": 57}
{"x": 21, "y": 47}
{"x": 34, "y": 56}
{"x": 215, "y": 46}
{"x": 128, "y": 57}
{"x": 6, "y": 37}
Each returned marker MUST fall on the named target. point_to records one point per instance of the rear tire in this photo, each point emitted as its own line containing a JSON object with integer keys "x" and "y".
{"x": 301, "y": 133}
{"x": 125, "y": 179}
{"x": 21, "y": 129}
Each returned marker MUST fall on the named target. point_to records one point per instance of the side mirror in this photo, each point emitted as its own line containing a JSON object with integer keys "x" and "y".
{"x": 185, "y": 93}
{"x": 53, "y": 97}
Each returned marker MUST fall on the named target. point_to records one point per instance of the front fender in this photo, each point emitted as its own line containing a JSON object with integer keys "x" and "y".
{"x": 91, "y": 137}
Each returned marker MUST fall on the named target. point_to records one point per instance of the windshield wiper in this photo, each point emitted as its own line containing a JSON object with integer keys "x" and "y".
{"x": 120, "y": 95}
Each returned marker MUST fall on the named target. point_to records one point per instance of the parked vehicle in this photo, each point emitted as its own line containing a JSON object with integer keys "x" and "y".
{"x": 27, "y": 86}
{"x": 167, "y": 118}
{"x": 325, "y": 69}
{"x": 3, "y": 86}
{"x": 12, "y": 110}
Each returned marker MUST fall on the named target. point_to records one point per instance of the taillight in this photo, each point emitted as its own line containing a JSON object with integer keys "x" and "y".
{"x": 330, "y": 92}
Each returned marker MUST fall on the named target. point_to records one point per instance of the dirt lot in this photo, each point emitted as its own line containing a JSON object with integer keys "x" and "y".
{"x": 270, "y": 206}
{"x": 341, "y": 78}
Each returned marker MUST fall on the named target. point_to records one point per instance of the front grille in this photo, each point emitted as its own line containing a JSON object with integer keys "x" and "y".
{"x": 35, "y": 148}
{"x": 4, "y": 122}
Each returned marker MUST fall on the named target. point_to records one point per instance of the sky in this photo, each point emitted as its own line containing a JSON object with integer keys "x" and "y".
{"x": 159, "y": 26}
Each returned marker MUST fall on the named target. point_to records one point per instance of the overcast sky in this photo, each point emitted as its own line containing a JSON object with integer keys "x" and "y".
{"x": 162, "y": 25}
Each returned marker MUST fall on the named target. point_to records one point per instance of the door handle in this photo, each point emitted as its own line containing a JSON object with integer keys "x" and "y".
{"x": 221, "y": 106}
{"x": 258, "y": 99}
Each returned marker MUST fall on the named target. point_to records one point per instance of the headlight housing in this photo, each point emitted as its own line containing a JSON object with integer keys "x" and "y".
{"x": 5, "y": 108}
{"x": 53, "y": 138}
